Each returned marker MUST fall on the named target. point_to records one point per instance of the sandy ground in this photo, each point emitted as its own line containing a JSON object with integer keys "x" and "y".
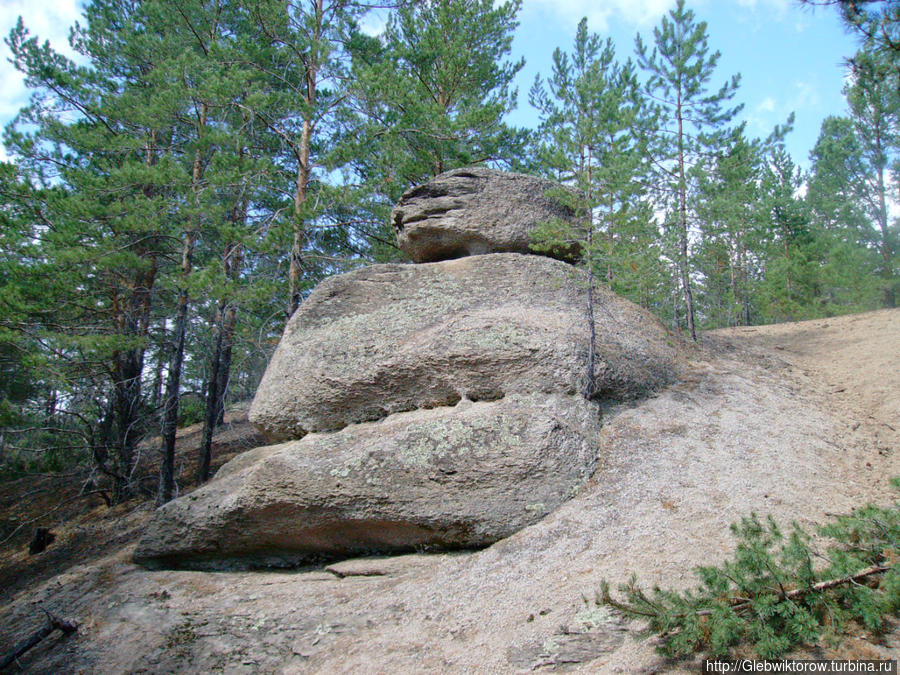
{"x": 795, "y": 420}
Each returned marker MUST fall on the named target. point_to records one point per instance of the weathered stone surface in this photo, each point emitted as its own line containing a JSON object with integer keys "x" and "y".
{"x": 475, "y": 211}
{"x": 392, "y": 338}
{"x": 462, "y": 476}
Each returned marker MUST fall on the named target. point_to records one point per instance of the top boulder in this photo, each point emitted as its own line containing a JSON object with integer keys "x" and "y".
{"x": 474, "y": 211}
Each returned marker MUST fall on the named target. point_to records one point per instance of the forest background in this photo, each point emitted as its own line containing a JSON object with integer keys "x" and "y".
{"x": 171, "y": 195}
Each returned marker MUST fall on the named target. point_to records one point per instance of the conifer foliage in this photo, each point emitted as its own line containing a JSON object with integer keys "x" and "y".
{"x": 173, "y": 196}
{"x": 778, "y": 591}
{"x": 176, "y": 192}
{"x": 592, "y": 138}
{"x": 695, "y": 118}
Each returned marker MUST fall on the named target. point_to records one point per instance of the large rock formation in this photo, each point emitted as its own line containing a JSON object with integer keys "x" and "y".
{"x": 476, "y": 211}
{"x": 450, "y": 477}
{"x": 391, "y": 338}
{"x": 437, "y": 405}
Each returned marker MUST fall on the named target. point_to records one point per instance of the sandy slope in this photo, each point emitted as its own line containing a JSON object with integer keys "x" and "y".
{"x": 796, "y": 420}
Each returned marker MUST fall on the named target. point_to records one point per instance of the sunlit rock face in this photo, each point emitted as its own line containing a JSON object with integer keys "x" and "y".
{"x": 476, "y": 211}
{"x": 431, "y": 406}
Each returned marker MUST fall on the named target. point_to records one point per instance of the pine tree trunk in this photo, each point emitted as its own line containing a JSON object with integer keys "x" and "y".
{"x": 885, "y": 244}
{"x": 303, "y": 174}
{"x": 212, "y": 399}
{"x": 224, "y": 372}
{"x": 590, "y": 375}
{"x": 233, "y": 259}
{"x": 304, "y": 170}
{"x": 683, "y": 228}
{"x": 220, "y": 362}
{"x": 50, "y": 405}
{"x": 126, "y": 406}
{"x": 173, "y": 381}
{"x": 133, "y": 320}
{"x": 787, "y": 256}
{"x": 745, "y": 282}
{"x": 156, "y": 396}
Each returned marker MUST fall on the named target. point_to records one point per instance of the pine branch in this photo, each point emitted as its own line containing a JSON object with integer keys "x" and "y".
{"x": 742, "y": 604}
{"x": 765, "y": 594}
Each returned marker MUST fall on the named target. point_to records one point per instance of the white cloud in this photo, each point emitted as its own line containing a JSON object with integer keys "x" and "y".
{"x": 761, "y": 118}
{"x": 806, "y": 95}
{"x": 766, "y": 105}
{"x": 48, "y": 20}
{"x": 761, "y": 12}
{"x": 599, "y": 12}
{"x": 779, "y": 6}
{"x": 373, "y": 23}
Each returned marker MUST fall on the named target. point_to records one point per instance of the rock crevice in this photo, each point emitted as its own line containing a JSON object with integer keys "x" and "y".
{"x": 429, "y": 335}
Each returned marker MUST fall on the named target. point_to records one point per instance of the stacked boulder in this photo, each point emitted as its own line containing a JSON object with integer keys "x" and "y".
{"x": 426, "y": 406}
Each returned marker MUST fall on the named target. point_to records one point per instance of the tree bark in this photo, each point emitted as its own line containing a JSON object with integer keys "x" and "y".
{"x": 132, "y": 320}
{"x": 173, "y": 381}
{"x": 234, "y": 256}
{"x": 304, "y": 170}
{"x": 212, "y": 399}
{"x": 224, "y": 371}
{"x": 887, "y": 256}
{"x": 591, "y": 375}
{"x": 683, "y": 228}
{"x": 220, "y": 362}
{"x": 132, "y": 307}
{"x": 156, "y": 395}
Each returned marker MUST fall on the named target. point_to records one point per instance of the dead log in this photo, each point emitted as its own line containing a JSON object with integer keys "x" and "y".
{"x": 53, "y": 623}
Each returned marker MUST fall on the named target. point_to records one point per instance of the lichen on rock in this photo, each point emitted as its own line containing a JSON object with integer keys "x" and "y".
{"x": 473, "y": 211}
{"x": 409, "y": 337}
{"x": 425, "y": 406}
{"x": 452, "y": 477}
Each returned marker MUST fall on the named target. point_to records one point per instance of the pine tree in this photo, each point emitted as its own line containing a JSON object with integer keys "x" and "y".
{"x": 22, "y": 373}
{"x": 728, "y": 203}
{"x": 591, "y": 139}
{"x": 874, "y": 109}
{"x": 789, "y": 284}
{"x": 876, "y": 23}
{"x": 772, "y": 594}
{"x": 433, "y": 92}
{"x": 844, "y": 236}
{"x": 157, "y": 152}
{"x": 299, "y": 51}
{"x": 679, "y": 71}
{"x": 103, "y": 182}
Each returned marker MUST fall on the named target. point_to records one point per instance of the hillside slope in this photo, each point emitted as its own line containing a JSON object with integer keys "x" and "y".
{"x": 795, "y": 420}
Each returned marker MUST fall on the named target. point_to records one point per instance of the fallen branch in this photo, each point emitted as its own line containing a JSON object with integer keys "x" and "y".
{"x": 815, "y": 588}
{"x": 738, "y": 604}
{"x": 53, "y": 623}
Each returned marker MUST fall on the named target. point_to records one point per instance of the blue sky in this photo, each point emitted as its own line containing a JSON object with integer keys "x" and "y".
{"x": 790, "y": 57}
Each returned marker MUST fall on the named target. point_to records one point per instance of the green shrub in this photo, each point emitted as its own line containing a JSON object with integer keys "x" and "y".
{"x": 777, "y": 592}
